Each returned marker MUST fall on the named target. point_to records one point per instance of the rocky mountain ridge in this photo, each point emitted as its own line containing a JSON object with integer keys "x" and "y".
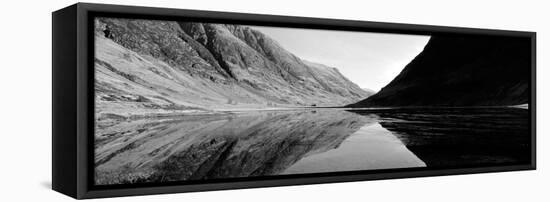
{"x": 147, "y": 66}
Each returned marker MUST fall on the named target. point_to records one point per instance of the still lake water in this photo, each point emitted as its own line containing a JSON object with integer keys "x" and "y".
{"x": 265, "y": 143}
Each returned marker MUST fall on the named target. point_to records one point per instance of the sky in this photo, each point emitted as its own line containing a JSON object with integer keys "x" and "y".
{"x": 371, "y": 60}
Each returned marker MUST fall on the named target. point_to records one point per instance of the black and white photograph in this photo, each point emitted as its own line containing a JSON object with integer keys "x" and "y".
{"x": 275, "y": 101}
{"x": 191, "y": 101}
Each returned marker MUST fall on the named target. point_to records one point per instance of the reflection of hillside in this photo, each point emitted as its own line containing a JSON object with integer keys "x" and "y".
{"x": 461, "y": 137}
{"x": 372, "y": 147}
{"x": 206, "y": 147}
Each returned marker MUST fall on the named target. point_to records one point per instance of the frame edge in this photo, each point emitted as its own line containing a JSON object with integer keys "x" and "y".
{"x": 64, "y": 144}
{"x": 83, "y": 191}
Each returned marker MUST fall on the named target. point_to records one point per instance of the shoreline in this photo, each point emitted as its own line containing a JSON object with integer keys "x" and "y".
{"x": 226, "y": 112}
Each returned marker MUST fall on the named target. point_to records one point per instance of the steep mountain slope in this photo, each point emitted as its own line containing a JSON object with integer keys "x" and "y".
{"x": 146, "y": 67}
{"x": 461, "y": 71}
{"x": 369, "y": 91}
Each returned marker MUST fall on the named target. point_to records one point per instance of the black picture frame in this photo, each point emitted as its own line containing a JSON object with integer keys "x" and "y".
{"x": 73, "y": 100}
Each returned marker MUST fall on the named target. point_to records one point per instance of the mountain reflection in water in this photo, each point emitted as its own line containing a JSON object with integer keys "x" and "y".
{"x": 307, "y": 141}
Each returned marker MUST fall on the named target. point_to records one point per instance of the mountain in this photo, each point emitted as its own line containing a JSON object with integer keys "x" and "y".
{"x": 145, "y": 67}
{"x": 461, "y": 71}
{"x": 369, "y": 91}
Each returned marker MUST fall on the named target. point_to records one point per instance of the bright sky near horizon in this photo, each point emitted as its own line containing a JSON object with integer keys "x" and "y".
{"x": 371, "y": 60}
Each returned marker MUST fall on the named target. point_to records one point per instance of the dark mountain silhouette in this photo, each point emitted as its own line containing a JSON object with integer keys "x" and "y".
{"x": 461, "y": 71}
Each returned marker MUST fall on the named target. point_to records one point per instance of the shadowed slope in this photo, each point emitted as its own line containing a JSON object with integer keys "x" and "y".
{"x": 461, "y": 71}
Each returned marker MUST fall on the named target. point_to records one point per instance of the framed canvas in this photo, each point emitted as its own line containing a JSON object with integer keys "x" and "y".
{"x": 155, "y": 100}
